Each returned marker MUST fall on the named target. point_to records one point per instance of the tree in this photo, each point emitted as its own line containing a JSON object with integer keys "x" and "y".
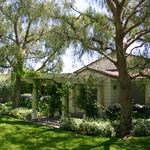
{"x": 122, "y": 28}
{"x": 28, "y": 36}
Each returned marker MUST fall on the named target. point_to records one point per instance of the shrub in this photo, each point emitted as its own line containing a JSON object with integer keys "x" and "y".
{"x": 26, "y": 100}
{"x": 49, "y": 105}
{"x": 141, "y": 127}
{"x": 23, "y": 113}
{"x": 87, "y": 101}
{"x": 113, "y": 111}
{"x": 68, "y": 124}
{"x": 138, "y": 111}
{"x": 89, "y": 127}
{"x": 141, "y": 111}
{"x": 5, "y": 108}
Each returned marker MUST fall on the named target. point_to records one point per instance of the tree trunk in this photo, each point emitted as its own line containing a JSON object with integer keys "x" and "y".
{"x": 124, "y": 79}
{"x": 17, "y": 91}
{"x": 125, "y": 86}
{"x": 126, "y": 120}
{"x": 17, "y": 86}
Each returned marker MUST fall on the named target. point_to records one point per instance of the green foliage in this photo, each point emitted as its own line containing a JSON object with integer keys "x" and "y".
{"x": 23, "y": 113}
{"x": 87, "y": 101}
{"x": 6, "y": 87}
{"x": 113, "y": 111}
{"x": 29, "y": 73}
{"x": 50, "y": 103}
{"x": 141, "y": 111}
{"x": 89, "y": 127}
{"x": 5, "y": 108}
{"x": 138, "y": 111}
{"x": 26, "y": 100}
{"x": 141, "y": 127}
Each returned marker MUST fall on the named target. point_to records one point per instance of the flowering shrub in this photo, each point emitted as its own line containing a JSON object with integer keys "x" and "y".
{"x": 89, "y": 127}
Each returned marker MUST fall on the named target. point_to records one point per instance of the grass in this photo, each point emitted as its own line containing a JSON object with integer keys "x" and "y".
{"x": 19, "y": 135}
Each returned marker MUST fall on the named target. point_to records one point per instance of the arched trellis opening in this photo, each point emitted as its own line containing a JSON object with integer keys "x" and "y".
{"x": 69, "y": 82}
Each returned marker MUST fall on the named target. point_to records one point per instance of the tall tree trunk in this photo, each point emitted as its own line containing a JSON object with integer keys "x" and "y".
{"x": 17, "y": 91}
{"x": 17, "y": 85}
{"x": 125, "y": 86}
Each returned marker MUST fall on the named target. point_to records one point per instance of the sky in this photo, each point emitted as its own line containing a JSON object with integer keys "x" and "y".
{"x": 71, "y": 63}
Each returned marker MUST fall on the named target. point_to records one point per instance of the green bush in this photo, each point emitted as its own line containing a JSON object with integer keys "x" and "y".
{"x": 87, "y": 101}
{"x": 138, "y": 111}
{"x": 113, "y": 111}
{"x": 141, "y": 127}
{"x": 6, "y": 87}
{"x": 89, "y": 127}
{"x": 5, "y": 108}
{"x": 26, "y": 100}
{"x": 141, "y": 111}
{"x": 23, "y": 113}
{"x": 51, "y": 103}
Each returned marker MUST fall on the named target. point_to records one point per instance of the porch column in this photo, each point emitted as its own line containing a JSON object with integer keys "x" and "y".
{"x": 34, "y": 96}
{"x": 99, "y": 94}
{"x": 65, "y": 106}
{"x": 147, "y": 93}
{"x": 72, "y": 98}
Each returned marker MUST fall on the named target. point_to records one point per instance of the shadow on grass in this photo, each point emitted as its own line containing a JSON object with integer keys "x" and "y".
{"x": 20, "y": 135}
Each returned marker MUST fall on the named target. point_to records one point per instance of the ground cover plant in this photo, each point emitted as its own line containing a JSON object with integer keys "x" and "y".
{"x": 19, "y": 135}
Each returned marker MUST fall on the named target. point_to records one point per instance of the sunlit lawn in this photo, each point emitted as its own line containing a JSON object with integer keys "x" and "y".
{"x": 19, "y": 135}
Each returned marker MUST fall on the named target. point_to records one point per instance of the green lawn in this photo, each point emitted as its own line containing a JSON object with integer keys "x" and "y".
{"x": 20, "y": 135}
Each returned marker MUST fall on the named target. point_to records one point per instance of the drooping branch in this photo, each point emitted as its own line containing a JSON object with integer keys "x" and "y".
{"x": 134, "y": 26}
{"x": 135, "y": 10}
{"x": 100, "y": 50}
{"x": 141, "y": 33}
{"x": 9, "y": 61}
{"x": 136, "y": 47}
{"x": 48, "y": 58}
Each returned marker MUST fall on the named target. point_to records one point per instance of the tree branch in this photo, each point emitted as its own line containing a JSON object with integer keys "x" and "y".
{"x": 133, "y": 13}
{"x": 137, "y": 37}
{"x": 111, "y": 6}
{"x": 9, "y": 61}
{"x": 44, "y": 63}
{"x": 5, "y": 66}
{"x": 101, "y": 51}
{"x": 136, "y": 47}
{"x": 133, "y": 27}
{"x": 27, "y": 33}
{"x": 16, "y": 32}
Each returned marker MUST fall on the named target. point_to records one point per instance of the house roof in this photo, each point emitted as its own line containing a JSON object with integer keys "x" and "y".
{"x": 113, "y": 72}
{"x": 109, "y": 73}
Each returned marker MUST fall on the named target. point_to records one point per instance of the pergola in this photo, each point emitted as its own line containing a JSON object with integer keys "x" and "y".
{"x": 70, "y": 78}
